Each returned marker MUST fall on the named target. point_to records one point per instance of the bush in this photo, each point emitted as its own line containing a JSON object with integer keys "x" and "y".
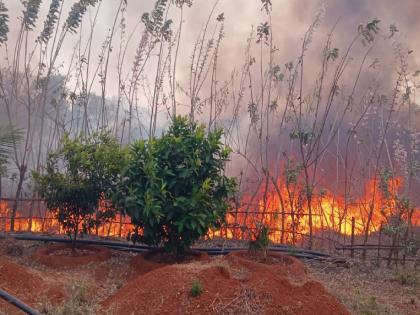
{"x": 173, "y": 188}
{"x": 77, "y": 177}
{"x": 196, "y": 288}
{"x": 261, "y": 241}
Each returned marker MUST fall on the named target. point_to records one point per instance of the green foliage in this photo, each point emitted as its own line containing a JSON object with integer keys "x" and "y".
{"x": 263, "y": 32}
{"x": 261, "y": 241}
{"x": 50, "y": 22}
{"x": 384, "y": 176}
{"x": 278, "y": 76}
{"x": 304, "y": 137}
{"x": 196, "y": 288}
{"x": 266, "y": 5}
{"x": 76, "y": 14}
{"x": 8, "y": 139}
{"x": 392, "y": 30}
{"x": 77, "y": 176}
{"x": 173, "y": 188}
{"x": 30, "y": 14}
{"x": 253, "y": 113}
{"x": 332, "y": 54}
{"x": 369, "y": 31}
{"x": 396, "y": 227}
{"x": 155, "y": 22}
{"x": 181, "y": 3}
{"x": 292, "y": 172}
{"x": 4, "y": 19}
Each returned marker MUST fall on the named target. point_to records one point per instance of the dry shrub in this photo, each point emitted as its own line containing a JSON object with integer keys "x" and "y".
{"x": 78, "y": 303}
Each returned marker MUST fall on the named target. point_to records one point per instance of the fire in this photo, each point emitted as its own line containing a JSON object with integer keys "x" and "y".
{"x": 286, "y": 212}
{"x": 283, "y": 209}
{"x": 119, "y": 227}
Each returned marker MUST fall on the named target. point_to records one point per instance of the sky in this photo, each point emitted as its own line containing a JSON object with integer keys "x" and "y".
{"x": 290, "y": 18}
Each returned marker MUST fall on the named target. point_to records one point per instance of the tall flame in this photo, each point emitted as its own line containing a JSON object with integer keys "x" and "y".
{"x": 283, "y": 210}
{"x": 287, "y": 212}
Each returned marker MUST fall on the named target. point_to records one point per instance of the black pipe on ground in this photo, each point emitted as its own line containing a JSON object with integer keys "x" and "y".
{"x": 17, "y": 303}
{"x": 298, "y": 253}
{"x": 31, "y": 237}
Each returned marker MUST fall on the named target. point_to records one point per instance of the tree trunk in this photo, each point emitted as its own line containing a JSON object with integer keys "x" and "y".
{"x": 22, "y": 173}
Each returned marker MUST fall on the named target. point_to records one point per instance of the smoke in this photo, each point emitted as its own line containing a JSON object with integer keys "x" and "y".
{"x": 290, "y": 22}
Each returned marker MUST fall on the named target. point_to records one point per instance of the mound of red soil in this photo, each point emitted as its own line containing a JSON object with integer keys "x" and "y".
{"x": 140, "y": 265}
{"x": 154, "y": 259}
{"x": 236, "y": 284}
{"x": 27, "y": 285}
{"x": 282, "y": 265}
{"x": 64, "y": 256}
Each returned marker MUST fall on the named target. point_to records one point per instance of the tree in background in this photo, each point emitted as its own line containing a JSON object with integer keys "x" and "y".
{"x": 8, "y": 140}
{"x": 174, "y": 188}
{"x": 77, "y": 177}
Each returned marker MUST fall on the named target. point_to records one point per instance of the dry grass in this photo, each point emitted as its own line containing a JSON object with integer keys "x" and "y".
{"x": 369, "y": 290}
{"x": 78, "y": 303}
{"x": 246, "y": 302}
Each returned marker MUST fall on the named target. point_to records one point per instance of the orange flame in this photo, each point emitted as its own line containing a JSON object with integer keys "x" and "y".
{"x": 49, "y": 224}
{"x": 285, "y": 212}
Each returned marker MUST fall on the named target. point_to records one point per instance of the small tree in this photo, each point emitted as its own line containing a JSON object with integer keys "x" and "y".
{"x": 261, "y": 240}
{"x": 77, "y": 177}
{"x": 174, "y": 189}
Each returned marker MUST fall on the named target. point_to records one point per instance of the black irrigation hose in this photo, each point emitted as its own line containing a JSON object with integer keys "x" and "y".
{"x": 299, "y": 253}
{"x": 18, "y": 303}
{"x": 226, "y": 251}
{"x": 31, "y": 237}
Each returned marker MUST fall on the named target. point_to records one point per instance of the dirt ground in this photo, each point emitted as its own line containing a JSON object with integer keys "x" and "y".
{"x": 124, "y": 283}
{"x": 235, "y": 284}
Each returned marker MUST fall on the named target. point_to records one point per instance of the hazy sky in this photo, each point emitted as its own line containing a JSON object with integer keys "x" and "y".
{"x": 290, "y": 19}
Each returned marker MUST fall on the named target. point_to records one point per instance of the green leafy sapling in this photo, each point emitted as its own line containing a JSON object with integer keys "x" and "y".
{"x": 174, "y": 188}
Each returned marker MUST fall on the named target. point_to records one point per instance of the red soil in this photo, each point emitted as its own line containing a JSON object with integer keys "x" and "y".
{"x": 236, "y": 284}
{"x": 63, "y": 256}
{"x": 163, "y": 257}
{"x": 26, "y": 285}
{"x": 141, "y": 266}
{"x": 155, "y": 259}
